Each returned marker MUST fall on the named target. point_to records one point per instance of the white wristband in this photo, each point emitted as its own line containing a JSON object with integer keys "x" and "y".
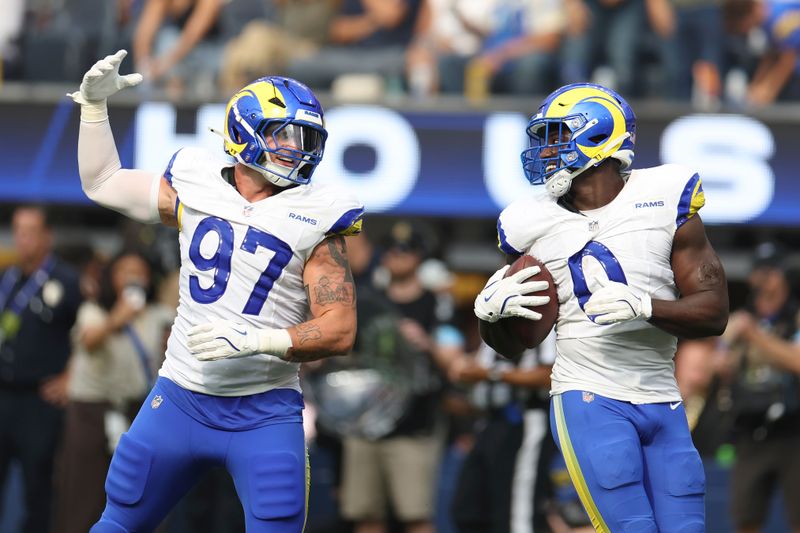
{"x": 96, "y": 111}
{"x": 274, "y": 342}
{"x": 647, "y": 306}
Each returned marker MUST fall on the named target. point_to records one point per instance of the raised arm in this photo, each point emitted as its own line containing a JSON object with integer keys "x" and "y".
{"x": 138, "y": 194}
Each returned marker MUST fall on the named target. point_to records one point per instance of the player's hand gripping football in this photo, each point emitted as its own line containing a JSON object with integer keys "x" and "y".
{"x": 103, "y": 80}
{"x": 223, "y": 339}
{"x": 616, "y": 302}
{"x": 505, "y": 297}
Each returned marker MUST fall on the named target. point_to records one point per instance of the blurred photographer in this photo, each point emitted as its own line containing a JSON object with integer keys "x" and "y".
{"x": 765, "y": 344}
{"x": 501, "y": 486}
{"x": 118, "y": 349}
{"x": 394, "y": 466}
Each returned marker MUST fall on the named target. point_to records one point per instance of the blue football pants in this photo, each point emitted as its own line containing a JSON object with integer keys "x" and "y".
{"x": 633, "y": 465}
{"x": 166, "y": 451}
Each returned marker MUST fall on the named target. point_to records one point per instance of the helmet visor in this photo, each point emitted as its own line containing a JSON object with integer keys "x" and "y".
{"x": 289, "y": 138}
{"x": 297, "y": 148}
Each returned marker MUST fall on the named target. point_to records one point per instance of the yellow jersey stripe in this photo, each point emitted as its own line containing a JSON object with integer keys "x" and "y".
{"x": 691, "y": 200}
{"x": 179, "y": 213}
{"x": 574, "y": 469}
{"x": 308, "y": 488}
{"x": 698, "y": 199}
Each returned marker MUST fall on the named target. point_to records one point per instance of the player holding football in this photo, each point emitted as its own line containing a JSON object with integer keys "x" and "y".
{"x": 261, "y": 251}
{"x": 634, "y": 270}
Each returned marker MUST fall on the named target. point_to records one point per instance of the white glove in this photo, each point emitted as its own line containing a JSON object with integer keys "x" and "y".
{"x": 617, "y": 302}
{"x": 504, "y": 297}
{"x": 223, "y": 339}
{"x": 100, "y": 82}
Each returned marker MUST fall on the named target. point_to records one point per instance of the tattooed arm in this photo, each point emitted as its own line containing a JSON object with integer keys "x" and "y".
{"x": 332, "y": 298}
{"x": 331, "y": 331}
{"x": 702, "y": 308}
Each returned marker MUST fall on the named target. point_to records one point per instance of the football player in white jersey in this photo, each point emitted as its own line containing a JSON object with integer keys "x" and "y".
{"x": 634, "y": 270}
{"x": 264, "y": 285}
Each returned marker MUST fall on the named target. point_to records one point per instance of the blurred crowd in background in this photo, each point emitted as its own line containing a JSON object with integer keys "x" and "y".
{"x": 423, "y": 428}
{"x": 709, "y": 52}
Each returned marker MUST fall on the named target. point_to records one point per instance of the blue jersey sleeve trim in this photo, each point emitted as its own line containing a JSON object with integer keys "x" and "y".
{"x": 687, "y": 206}
{"x": 347, "y": 221}
{"x": 168, "y": 171}
{"x": 502, "y": 241}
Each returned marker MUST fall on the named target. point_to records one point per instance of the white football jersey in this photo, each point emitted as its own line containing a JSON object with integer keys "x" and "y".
{"x": 244, "y": 262}
{"x": 628, "y": 241}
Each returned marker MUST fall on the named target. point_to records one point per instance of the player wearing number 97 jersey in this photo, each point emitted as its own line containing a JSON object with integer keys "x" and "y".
{"x": 264, "y": 286}
{"x": 245, "y": 261}
{"x": 634, "y": 270}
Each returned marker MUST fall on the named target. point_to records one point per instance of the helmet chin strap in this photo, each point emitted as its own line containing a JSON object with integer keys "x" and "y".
{"x": 275, "y": 178}
{"x": 559, "y": 183}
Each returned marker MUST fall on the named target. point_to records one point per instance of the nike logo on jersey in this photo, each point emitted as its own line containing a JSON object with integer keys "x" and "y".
{"x": 674, "y": 405}
{"x": 301, "y": 218}
{"x": 656, "y": 203}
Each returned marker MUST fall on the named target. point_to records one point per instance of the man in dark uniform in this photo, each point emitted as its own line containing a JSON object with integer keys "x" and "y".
{"x": 397, "y": 469}
{"x": 501, "y": 487}
{"x": 39, "y": 299}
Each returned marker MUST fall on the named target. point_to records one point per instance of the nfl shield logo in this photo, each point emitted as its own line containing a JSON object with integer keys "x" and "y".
{"x": 158, "y": 399}
{"x": 593, "y": 225}
{"x": 248, "y": 210}
{"x": 588, "y": 397}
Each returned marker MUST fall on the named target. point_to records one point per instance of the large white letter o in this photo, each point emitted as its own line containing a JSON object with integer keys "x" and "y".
{"x": 396, "y": 148}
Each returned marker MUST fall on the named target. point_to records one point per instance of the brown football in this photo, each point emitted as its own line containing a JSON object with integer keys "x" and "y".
{"x": 531, "y": 333}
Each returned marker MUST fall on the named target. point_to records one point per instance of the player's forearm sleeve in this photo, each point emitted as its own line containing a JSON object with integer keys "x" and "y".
{"x": 134, "y": 193}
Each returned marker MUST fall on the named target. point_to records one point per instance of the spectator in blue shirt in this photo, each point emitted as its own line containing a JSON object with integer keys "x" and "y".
{"x": 776, "y": 75}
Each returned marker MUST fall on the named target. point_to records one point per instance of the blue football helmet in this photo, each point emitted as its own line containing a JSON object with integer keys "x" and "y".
{"x": 276, "y": 126}
{"x": 578, "y": 127}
